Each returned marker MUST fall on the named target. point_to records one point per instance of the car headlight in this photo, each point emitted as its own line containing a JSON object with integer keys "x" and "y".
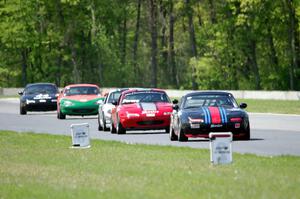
{"x": 131, "y": 115}
{"x": 68, "y": 103}
{"x": 99, "y": 102}
{"x": 30, "y": 101}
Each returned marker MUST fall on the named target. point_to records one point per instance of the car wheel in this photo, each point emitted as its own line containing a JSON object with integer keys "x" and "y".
{"x": 23, "y": 110}
{"x": 172, "y": 134}
{"x": 247, "y": 133}
{"x": 120, "y": 129}
{"x": 167, "y": 129}
{"x": 112, "y": 127}
{"x": 60, "y": 115}
{"x": 99, "y": 125}
{"x": 181, "y": 136}
{"x": 104, "y": 123}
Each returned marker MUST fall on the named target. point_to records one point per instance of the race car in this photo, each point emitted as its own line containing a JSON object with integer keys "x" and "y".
{"x": 104, "y": 111}
{"x": 38, "y": 97}
{"x": 141, "y": 109}
{"x": 78, "y": 99}
{"x": 200, "y": 113}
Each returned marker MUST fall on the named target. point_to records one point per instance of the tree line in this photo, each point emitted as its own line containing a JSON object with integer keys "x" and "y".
{"x": 182, "y": 44}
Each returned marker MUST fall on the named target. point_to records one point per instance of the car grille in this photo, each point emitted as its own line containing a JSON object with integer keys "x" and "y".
{"x": 84, "y": 110}
{"x": 150, "y": 122}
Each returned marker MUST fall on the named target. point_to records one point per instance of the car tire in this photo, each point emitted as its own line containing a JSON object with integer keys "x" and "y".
{"x": 23, "y": 110}
{"x": 172, "y": 135}
{"x": 119, "y": 128}
{"x": 247, "y": 133}
{"x": 181, "y": 136}
{"x": 112, "y": 127}
{"x": 167, "y": 129}
{"x": 60, "y": 115}
{"x": 99, "y": 125}
{"x": 104, "y": 124}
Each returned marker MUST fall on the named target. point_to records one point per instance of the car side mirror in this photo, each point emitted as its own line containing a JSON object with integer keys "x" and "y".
{"x": 115, "y": 102}
{"x": 243, "y": 105}
{"x": 175, "y": 107}
{"x": 175, "y": 101}
{"x": 100, "y": 102}
{"x": 20, "y": 92}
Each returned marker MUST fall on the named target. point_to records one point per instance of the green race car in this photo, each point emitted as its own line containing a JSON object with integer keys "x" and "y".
{"x": 79, "y": 99}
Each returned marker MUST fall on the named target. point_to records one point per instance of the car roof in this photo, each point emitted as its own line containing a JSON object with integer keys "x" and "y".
{"x": 208, "y": 93}
{"x": 40, "y": 84}
{"x": 78, "y": 85}
{"x": 118, "y": 89}
{"x": 143, "y": 89}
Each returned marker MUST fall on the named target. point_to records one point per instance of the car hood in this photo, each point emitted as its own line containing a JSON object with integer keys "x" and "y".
{"x": 39, "y": 96}
{"x": 147, "y": 107}
{"x": 81, "y": 98}
{"x": 108, "y": 106}
{"x": 213, "y": 114}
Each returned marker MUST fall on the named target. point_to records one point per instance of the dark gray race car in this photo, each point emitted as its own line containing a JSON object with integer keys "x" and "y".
{"x": 200, "y": 113}
{"x": 38, "y": 97}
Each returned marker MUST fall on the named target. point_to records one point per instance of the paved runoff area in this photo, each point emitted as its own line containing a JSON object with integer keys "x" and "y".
{"x": 271, "y": 134}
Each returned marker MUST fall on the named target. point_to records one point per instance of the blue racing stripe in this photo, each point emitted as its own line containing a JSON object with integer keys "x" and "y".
{"x": 225, "y": 116}
{"x": 222, "y": 115}
{"x": 205, "y": 115}
{"x": 208, "y": 115}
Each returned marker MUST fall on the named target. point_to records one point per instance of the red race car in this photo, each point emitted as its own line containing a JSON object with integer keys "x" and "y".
{"x": 141, "y": 109}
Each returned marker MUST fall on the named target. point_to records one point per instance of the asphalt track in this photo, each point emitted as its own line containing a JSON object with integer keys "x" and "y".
{"x": 271, "y": 134}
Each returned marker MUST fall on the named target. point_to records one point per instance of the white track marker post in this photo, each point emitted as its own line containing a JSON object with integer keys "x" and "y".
{"x": 80, "y": 135}
{"x": 220, "y": 148}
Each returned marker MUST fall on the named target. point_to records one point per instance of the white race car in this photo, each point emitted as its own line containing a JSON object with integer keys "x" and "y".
{"x": 104, "y": 111}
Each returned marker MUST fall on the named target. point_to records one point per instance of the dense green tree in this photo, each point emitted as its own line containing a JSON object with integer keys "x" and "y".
{"x": 190, "y": 44}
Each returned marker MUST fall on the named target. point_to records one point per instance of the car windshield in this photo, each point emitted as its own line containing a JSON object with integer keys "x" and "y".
{"x": 40, "y": 89}
{"x": 114, "y": 96}
{"x": 145, "y": 97}
{"x": 82, "y": 90}
{"x": 209, "y": 100}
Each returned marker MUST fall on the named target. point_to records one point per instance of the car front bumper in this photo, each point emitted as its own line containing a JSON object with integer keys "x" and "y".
{"x": 237, "y": 129}
{"x": 36, "y": 105}
{"x": 146, "y": 123}
{"x": 80, "y": 110}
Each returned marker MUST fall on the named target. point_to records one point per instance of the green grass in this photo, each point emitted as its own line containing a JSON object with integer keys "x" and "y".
{"x": 9, "y": 96}
{"x": 43, "y": 166}
{"x": 272, "y": 106}
{"x": 261, "y": 106}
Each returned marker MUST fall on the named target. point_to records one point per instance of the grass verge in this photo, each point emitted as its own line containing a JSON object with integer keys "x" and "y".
{"x": 258, "y": 106}
{"x": 43, "y": 166}
{"x": 272, "y": 106}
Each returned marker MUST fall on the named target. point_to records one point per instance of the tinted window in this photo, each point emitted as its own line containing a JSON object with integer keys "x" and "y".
{"x": 209, "y": 100}
{"x": 40, "y": 89}
{"x": 146, "y": 97}
{"x": 114, "y": 96}
{"x": 82, "y": 90}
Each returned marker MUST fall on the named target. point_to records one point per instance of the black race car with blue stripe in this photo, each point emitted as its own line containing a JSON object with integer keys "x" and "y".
{"x": 201, "y": 112}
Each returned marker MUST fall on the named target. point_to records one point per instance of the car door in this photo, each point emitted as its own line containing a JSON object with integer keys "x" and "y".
{"x": 101, "y": 107}
{"x": 175, "y": 115}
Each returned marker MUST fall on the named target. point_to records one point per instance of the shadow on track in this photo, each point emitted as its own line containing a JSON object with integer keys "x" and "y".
{"x": 80, "y": 118}
{"x": 145, "y": 133}
{"x": 40, "y": 113}
{"x": 251, "y": 139}
{"x": 207, "y": 140}
{"x": 198, "y": 140}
